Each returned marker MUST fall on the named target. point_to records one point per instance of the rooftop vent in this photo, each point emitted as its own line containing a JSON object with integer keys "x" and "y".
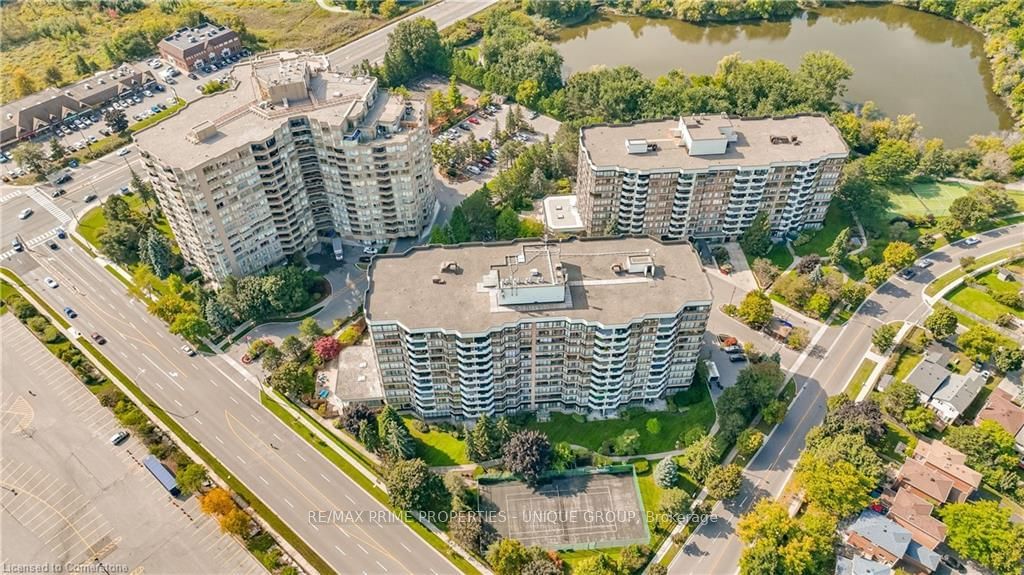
{"x": 780, "y": 140}
{"x": 437, "y": 280}
{"x": 450, "y": 266}
{"x": 637, "y": 146}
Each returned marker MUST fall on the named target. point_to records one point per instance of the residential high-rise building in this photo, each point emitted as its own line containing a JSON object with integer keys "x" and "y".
{"x": 582, "y": 326}
{"x": 288, "y": 152}
{"x": 706, "y": 177}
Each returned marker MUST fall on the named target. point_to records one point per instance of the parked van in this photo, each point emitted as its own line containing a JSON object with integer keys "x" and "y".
{"x": 713, "y": 377}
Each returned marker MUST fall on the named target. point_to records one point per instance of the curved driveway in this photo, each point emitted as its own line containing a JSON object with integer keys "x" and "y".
{"x": 714, "y": 548}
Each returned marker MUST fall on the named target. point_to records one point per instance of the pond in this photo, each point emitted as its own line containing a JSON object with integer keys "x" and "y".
{"x": 904, "y": 60}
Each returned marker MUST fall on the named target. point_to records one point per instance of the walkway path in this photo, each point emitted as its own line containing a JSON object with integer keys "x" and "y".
{"x": 1017, "y": 186}
{"x": 330, "y": 7}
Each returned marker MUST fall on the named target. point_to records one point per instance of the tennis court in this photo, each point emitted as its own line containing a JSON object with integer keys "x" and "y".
{"x": 577, "y": 512}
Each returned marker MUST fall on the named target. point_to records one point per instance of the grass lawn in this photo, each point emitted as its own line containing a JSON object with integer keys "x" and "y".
{"x": 591, "y": 434}
{"x": 937, "y": 196}
{"x": 93, "y": 223}
{"x": 778, "y": 255}
{"x": 906, "y": 203}
{"x": 895, "y": 435}
{"x": 905, "y": 364}
{"x": 438, "y": 448}
{"x": 955, "y": 274}
{"x": 980, "y": 303}
{"x": 835, "y": 221}
{"x": 860, "y": 378}
{"x": 6, "y": 289}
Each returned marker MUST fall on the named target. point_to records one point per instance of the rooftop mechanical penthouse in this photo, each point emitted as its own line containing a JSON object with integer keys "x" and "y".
{"x": 289, "y": 151}
{"x": 707, "y": 176}
{"x": 577, "y": 326}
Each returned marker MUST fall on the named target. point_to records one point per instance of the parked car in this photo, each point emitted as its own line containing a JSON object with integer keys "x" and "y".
{"x": 24, "y": 214}
{"x": 72, "y": 163}
{"x": 737, "y": 357}
{"x": 124, "y": 191}
{"x": 370, "y": 251}
{"x": 908, "y": 273}
{"x": 924, "y": 263}
{"x": 50, "y": 282}
{"x": 733, "y": 349}
{"x": 70, "y": 312}
{"x": 365, "y": 259}
{"x": 98, "y": 338}
{"x": 534, "y": 115}
{"x": 187, "y": 350}
{"x": 192, "y": 76}
{"x": 473, "y": 170}
{"x": 466, "y": 127}
{"x": 119, "y": 437}
{"x": 972, "y": 241}
{"x": 473, "y": 120}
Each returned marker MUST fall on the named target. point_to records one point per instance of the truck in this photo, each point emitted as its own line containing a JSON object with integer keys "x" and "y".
{"x": 713, "y": 377}
{"x": 339, "y": 252}
{"x": 162, "y": 475}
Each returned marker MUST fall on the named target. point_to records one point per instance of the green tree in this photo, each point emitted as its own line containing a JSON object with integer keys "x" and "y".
{"x": 628, "y": 442}
{"x": 413, "y": 487}
{"x": 389, "y": 9}
{"x": 898, "y": 398}
{"x": 527, "y": 454}
{"x": 455, "y": 97}
{"x": 749, "y": 441}
{"x": 819, "y": 304}
{"x": 822, "y": 78}
{"x": 836, "y": 487}
{"x": 143, "y": 189}
{"x": 849, "y": 447}
{"x": 899, "y": 255}
{"x": 600, "y": 564}
{"x": 837, "y": 250}
{"x": 756, "y": 309}
{"x": 1008, "y": 359}
{"x": 969, "y": 211}
{"x": 884, "y": 337}
{"x": 116, "y": 120}
{"x": 29, "y": 155}
{"x": 942, "y": 322}
{"x": 292, "y": 379}
{"x": 700, "y": 457}
{"x": 440, "y": 235}
{"x": 666, "y": 473}
{"x": 190, "y": 326}
{"x": 57, "y": 151}
{"x": 120, "y": 242}
{"x": 82, "y": 67}
{"x": 983, "y": 531}
{"x": 310, "y": 330}
{"x": 191, "y": 477}
{"x": 979, "y": 341}
{"x": 507, "y": 225}
{"x": 508, "y": 557}
{"x": 724, "y": 481}
{"x": 471, "y": 532}
{"x": 877, "y": 274}
{"x": 756, "y": 240}
{"x": 918, "y": 419}
{"x": 779, "y": 544}
{"x": 892, "y": 162}
{"x": 293, "y": 347}
{"x": 413, "y": 47}
{"x": 396, "y": 443}
{"x": 155, "y": 252}
{"x": 53, "y": 76}
{"x": 528, "y": 92}
{"x": 271, "y": 359}
{"x": 674, "y": 503}
{"x": 21, "y": 83}
{"x": 458, "y": 226}
{"x": 653, "y": 426}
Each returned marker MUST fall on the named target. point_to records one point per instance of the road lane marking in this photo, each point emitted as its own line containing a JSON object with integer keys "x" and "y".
{"x": 277, "y": 437}
{"x": 219, "y": 439}
{"x": 301, "y": 457}
{"x": 178, "y": 403}
{"x": 352, "y": 501}
{"x": 361, "y": 548}
{"x": 288, "y": 502}
{"x": 197, "y": 420}
{"x": 405, "y": 547}
{"x": 234, "y": 400}
{"x": 340, "y": 550}
{"x": 263, "y": 480}
{"x": 256, "y": 418}
{"x": 382, "y": 566}
{"x": 240, "y": 459}
{"x": 325, "y": 478}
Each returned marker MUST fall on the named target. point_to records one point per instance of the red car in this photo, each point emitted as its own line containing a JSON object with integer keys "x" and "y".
{"x": 473, "y": 120}
{"x": 98, "y": 338}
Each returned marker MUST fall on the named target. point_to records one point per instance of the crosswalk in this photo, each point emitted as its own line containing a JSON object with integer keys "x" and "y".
{"x": 44, "y": 203}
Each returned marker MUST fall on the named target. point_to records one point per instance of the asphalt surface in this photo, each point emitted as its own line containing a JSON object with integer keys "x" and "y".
{"x": 65, "y": 485}
{"x": 371, "y": 47}
{"x": 714, "y": 548}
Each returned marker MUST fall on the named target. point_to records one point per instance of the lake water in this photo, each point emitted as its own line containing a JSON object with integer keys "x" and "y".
{"x": 904, "y": 60}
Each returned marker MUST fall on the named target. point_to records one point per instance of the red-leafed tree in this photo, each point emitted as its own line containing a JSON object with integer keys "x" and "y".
{"x": 326, "y": 348}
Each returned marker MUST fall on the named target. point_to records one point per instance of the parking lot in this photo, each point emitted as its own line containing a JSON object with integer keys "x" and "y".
{"x": 143, "y": 102}
{"x": 70, "y": 497}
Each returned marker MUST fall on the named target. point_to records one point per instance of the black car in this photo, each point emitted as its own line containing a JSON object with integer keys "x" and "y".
{"x": 64, "y": 178}
{"x": 61, "y": 233}
{"x": 365, "y": 259}
{"x": 90, "y": 198}
{"x": 58, "y": 193}
{"x": 192, "y": 76}
{"x": 908, "y": 273}
{"x": 52, "y": 245}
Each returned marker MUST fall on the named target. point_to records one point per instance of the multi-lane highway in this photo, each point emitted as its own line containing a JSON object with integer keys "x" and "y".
{"x": 371, "y": 47}
{"x": 714, "y": 548}
{"x": 221, "y": 409}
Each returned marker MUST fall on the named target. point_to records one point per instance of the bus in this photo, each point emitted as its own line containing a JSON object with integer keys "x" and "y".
{"x": 162, "y": 475}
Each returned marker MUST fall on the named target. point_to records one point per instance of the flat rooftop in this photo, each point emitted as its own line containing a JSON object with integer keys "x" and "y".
{"x": 186, "y": 38}
{"x": 240, "y": 120}
{"x": 592, "y": 275}
{"x": 561, "y": 214}
{"x": 816, "y": 137}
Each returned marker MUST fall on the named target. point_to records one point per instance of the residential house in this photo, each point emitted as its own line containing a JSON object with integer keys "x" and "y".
{"x": 1001, "y": 409}
{"x": 861, "y": 566}
{"x": 915, "y": 514}
{"x": 938, "y": 472}
{"x": 948, "y": 394}
{"x": 885, "y": 541}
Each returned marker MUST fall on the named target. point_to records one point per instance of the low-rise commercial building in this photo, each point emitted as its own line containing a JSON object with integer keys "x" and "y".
{"x": 290, "y": 152}
{"x": 707, "y": 176}
{"x": 586, "y": 326}
{"x": 192, "y": 48}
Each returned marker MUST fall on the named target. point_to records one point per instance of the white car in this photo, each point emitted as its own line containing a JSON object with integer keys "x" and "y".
{"x": 370, "y": 251}
{"x": 147, "y": 93}
{"x": 924, "y": 263}
{"x": 24, "y": 214}
{"x": 123, "y": 152}
{"x": 50, "y": 282}
{"x": 972, "y": 241}
{"x": 118, "y": 437}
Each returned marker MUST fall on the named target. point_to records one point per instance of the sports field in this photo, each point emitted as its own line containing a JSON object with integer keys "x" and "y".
{"x": 927, "y": 198}
{"x": 577, "y": 512}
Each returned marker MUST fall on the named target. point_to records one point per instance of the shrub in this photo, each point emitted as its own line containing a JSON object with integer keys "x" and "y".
{"x": 653, "y": 426}
{"x": 641, "y": 466}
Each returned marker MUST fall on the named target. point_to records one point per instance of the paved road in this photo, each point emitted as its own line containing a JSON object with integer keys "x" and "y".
{"x": 65, "y": 485}
{"x": 714, "y": 548}
{"x": 371, "y": 47}
{"x": 218, "y": 406}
